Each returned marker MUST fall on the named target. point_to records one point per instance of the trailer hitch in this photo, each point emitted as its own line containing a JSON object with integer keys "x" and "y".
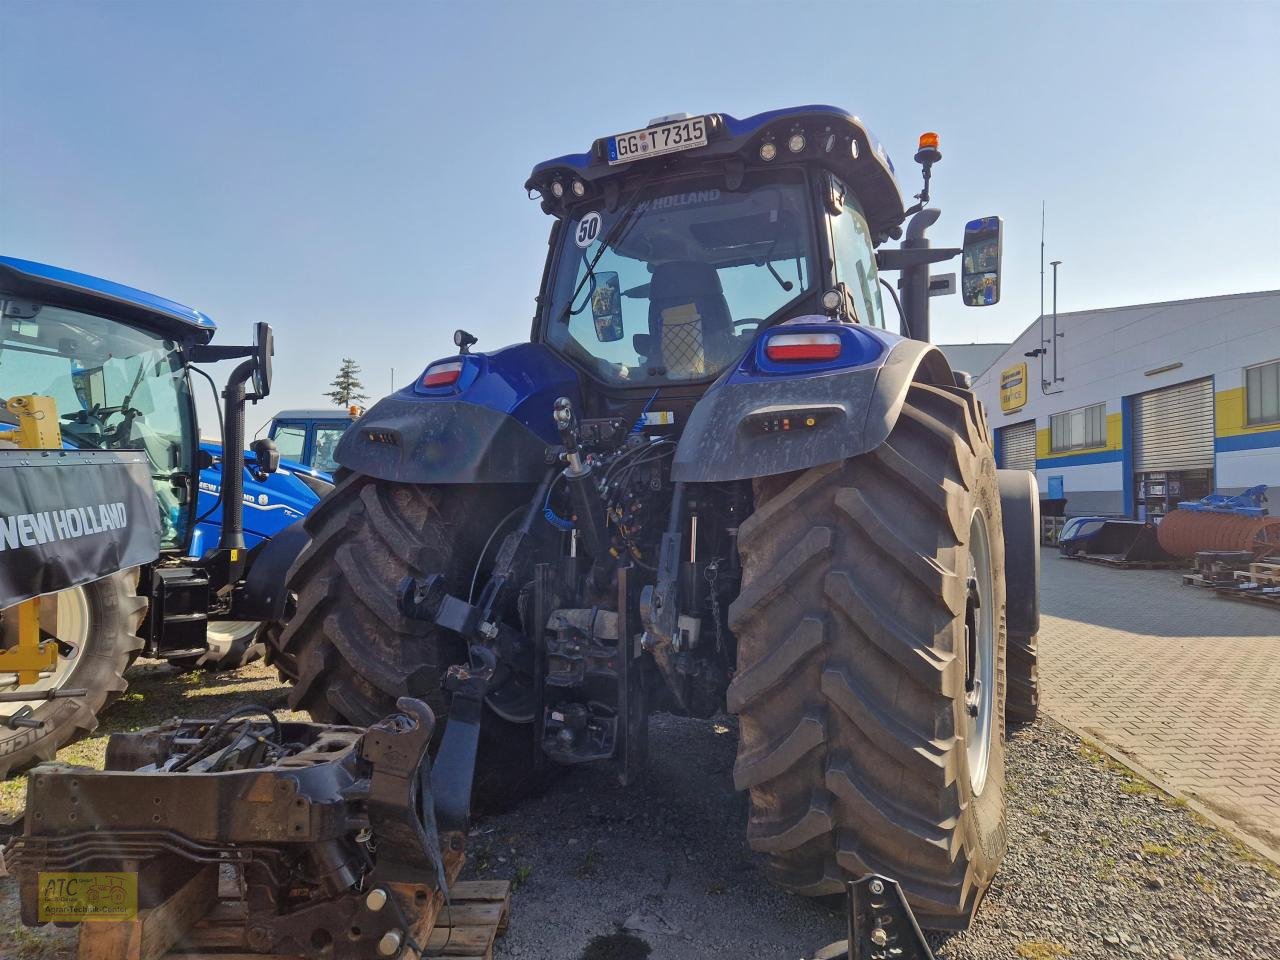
{"x": 881, "y": 925}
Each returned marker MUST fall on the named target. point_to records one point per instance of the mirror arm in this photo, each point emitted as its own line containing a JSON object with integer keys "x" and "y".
{"x": 905, "y": 258}
{"x": 208, "y": 353}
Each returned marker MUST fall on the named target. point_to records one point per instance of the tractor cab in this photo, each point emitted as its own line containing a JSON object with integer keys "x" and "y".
{"x": 676, "y": 245}
{"x": 114, "y": 381}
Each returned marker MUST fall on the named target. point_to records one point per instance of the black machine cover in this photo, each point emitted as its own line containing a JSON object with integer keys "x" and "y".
{"x": 69, "y": 517}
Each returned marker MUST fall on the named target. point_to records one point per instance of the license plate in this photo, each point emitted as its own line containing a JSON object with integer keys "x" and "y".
{"x": 657, "y": 140}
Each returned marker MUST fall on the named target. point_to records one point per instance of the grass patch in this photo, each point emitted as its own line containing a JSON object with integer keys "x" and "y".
{"x": 523, "y": 873}
{"x": 1131, "y": 784}
{"x": 1038, "y": 949}
{"x": 1160, "y": 850}
{"x": 1137, "y": 788}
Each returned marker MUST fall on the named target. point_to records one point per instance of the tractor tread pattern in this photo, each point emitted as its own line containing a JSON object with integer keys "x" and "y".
{"x": 848, "y": 739}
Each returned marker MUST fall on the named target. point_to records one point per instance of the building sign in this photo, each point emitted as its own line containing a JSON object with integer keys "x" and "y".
{"x": 1013, "y": 387}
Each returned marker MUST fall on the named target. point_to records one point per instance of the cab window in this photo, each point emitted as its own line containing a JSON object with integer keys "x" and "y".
{"x": 855, "y": 258}
{"x": 326, "y": 442}
{"x": 290, "y": 439}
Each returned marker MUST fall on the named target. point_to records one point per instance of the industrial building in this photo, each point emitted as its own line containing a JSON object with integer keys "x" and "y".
{"x": 1128, "y": 410}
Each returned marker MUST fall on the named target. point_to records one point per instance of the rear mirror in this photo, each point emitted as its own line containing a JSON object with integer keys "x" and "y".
{"x": 264, "y": 347}
{"x": 606, "y": 307}
{"x": 980, "y": 270}
{"x": 268, "y": 457}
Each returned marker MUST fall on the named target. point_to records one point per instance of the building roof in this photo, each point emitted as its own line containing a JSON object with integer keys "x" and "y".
{"x": 972, "y": 358}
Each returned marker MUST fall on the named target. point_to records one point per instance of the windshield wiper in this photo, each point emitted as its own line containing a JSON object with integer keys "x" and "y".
{"x": 784, "y": 284}
{"x": 615, "y": 235}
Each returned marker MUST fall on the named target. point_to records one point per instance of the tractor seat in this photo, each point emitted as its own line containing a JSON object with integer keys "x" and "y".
{"x": 690, "y": 326}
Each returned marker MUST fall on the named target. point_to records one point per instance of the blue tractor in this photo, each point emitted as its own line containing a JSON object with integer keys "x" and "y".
{"x": 310, "y": 436}
{"x": 114, "y": 365}
{"x": 712, "y": 481}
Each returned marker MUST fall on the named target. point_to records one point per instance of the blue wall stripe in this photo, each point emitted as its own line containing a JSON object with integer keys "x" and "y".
{"x": 1126, "y": 448}
{"x": 1080, "y": 459}
{"x": 1247, "y": 441}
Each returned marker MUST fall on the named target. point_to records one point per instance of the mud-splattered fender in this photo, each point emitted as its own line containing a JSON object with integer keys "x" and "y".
{"x": 755, "y": 423}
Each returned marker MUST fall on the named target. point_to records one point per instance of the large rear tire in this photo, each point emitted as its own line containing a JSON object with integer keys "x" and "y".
{"x": 863, "y": 581}
{"x": 100, "y": 620}
{"x": 349, "y": 650}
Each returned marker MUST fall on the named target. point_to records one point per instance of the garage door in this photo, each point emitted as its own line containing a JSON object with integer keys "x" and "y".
{"x": 1018, "y": 446}
{"x": 1173, "y": 428}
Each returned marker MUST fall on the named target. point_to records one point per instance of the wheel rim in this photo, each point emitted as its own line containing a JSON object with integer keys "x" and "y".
{"x": 71, "y": 625}
{"x": 980, "y": 650}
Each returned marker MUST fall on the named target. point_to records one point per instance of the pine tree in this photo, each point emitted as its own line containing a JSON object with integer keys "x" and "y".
{"x": 346, "y": 385}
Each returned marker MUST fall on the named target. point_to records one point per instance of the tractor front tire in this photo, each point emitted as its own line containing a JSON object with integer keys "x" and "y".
{"x": 101, "y": 620}
{"x": 863, "y": 581}
{"x": 349, "y": 650}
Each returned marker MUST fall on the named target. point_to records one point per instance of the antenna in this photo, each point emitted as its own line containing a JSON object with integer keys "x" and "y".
{"x": 1042, "y": 269}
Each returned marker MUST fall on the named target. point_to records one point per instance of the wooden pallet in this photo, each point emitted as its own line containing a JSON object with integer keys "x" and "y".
{"x": 1195, "y": 580}
{"x": 1263, "y": 574}
{"x": 1120, "y": 563}
{"x": 1271, "y": 600}
{"x": 205, "y": 920}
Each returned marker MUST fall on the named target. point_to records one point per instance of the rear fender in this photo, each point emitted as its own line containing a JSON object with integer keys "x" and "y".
{"x": 1020, "y": 510}
{"x": 754, "y": 420}
{"x": 493, "y": 426}
{"x": 262, "y": 595}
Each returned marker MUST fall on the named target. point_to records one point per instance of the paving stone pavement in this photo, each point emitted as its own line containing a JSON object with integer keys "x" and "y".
{"x": 1181, "y": 680}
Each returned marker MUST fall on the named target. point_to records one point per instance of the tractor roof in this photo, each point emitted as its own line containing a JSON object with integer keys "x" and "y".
{"x": 315, "y": 413}
{"x": 45, "y": 283}
{"x": 831, "y": 137}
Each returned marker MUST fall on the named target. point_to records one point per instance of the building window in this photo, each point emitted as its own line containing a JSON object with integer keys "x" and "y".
{"x": 1078, "y": 429}
{"x": 1262, "y": 393}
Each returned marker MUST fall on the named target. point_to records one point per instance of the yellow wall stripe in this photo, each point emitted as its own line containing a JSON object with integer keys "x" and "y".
{"x": 1115, "y": 440}
{"x": 1229, "y": 415}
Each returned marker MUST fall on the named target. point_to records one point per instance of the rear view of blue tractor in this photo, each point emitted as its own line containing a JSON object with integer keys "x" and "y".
{"x": 713, "y": 480}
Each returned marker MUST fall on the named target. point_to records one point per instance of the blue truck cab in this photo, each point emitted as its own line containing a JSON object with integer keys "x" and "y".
{"x": 310, "y": 436}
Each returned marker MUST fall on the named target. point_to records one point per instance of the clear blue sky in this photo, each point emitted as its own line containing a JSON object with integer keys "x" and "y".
{"x": 352, "y": 172}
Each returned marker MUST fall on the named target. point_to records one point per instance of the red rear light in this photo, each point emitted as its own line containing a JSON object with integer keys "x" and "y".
{"x": 442, "y": 374}
{"x": 803, "y": 346}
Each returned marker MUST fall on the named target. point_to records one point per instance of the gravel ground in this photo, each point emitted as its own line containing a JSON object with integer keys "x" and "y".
{"x": 1100, "y": 864}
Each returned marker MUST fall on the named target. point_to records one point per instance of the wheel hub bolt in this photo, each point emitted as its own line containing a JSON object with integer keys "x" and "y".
{"x": 876, "y": 887}
{"x": 376, "y": 899}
